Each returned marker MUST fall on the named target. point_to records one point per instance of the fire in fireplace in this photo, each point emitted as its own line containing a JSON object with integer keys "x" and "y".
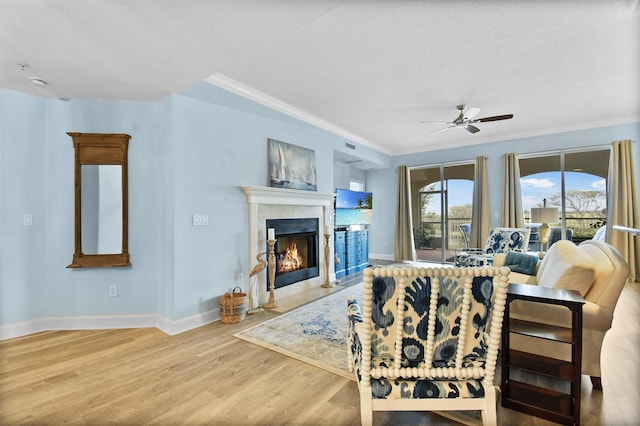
{"x": 291, "y": 259}
{"x": 296, "y": 250}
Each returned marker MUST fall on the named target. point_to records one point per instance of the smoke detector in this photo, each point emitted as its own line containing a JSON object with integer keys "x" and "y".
{"x": 37, "y": 81}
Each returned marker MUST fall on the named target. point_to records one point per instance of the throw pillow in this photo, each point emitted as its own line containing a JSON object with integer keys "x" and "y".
{"x": 522, "y": 263}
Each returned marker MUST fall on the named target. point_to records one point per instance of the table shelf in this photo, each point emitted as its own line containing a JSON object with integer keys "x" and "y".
{"x": 536, "y": 400}
{"x": 541, "y": 331}
{"x": 541, "y": 402}
{"x": 551, "y": 367}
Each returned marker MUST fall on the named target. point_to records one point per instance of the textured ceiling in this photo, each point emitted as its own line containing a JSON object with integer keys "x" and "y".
{"x": 370, "y": 70}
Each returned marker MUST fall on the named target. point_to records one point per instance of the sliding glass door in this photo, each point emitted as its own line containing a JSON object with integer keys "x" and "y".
{"x": 442, "y": 197}
{"x": 573, "y": 181}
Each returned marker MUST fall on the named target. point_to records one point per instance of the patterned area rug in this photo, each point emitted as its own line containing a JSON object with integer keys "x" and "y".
{"x": 315, "y": 333}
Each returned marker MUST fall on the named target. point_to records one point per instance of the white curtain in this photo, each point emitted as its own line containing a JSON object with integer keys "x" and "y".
{"x": 512, "y": 211}
{"x": 480, "y": 214}
{"x": 622, "y": 205}
{"x": 404, "y": 245}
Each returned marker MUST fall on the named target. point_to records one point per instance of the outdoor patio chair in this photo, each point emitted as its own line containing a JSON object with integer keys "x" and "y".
{"x": 465, "y": 228}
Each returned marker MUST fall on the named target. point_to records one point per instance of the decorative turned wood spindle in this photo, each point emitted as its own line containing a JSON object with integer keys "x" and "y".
{"x": 327, "y": 283}
{"x": 272, "y": 276}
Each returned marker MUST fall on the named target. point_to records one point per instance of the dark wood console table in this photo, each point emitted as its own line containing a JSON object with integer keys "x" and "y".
{"x": 539, "y": 401}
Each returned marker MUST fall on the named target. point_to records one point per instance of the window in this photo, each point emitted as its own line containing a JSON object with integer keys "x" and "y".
{"x": 573, "y": 181}
{"x": 442, "y": 197}
{"x": 356, "y": 185}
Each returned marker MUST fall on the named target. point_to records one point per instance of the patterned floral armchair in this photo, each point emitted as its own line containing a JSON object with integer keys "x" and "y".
{"x": 500, "y": 240}
{"x": 427, "y": 339}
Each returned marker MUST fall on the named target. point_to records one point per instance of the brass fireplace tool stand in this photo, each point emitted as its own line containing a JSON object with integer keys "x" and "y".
{"x": 272, "y": 276}
{"x": 327, "y": 283}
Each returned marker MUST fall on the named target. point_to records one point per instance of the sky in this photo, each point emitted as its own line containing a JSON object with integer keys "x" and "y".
{"x": 534, "y": 188}
{"x": 544, "y": 185}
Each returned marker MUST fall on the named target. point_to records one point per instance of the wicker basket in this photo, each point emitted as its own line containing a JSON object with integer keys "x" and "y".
{"x": 232, "y": 306}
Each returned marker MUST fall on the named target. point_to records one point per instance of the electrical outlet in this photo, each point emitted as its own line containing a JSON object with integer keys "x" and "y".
{"x": 240, "y": 277}
{"x": 113, "y": 290}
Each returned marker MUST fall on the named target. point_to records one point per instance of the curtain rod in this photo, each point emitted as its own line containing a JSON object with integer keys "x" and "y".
{"x": 568, "y": 150}
{"x": 448, "y": 164}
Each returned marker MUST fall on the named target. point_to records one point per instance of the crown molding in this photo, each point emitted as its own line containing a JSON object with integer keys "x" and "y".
{"x": 226, "y": 83}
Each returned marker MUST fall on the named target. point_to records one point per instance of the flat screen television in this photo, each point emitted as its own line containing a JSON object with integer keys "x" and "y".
{"x": 353, "y": 208}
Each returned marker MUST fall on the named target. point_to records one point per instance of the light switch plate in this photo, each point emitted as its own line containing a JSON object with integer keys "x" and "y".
{"x": 27, "y": 219}
{"x": 200, "y": 219}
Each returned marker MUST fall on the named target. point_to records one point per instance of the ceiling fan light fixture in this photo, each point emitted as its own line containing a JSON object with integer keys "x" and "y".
{"x": 466, "y": 120}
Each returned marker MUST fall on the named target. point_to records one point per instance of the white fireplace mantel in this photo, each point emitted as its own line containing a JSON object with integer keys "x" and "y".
{"x": 288, "y": 197}
{"x": 279, "y": 203}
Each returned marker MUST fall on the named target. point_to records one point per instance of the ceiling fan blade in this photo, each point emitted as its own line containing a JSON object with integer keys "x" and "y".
{"x": 435, "y": 122}
{"x": 493, "y": 118}
{"x": 471, "y": 129}
{"x": 441, "y": 130}
{"x": 472, "y": 112}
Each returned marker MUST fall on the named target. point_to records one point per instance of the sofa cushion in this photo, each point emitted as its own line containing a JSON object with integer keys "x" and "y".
{"x": 566, "y": 266}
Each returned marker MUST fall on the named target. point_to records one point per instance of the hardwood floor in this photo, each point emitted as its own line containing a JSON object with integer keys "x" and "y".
{"x": 207, "y": 376}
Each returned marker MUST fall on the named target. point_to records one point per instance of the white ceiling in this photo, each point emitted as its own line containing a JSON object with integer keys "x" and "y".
{"x": 368, "y": 70}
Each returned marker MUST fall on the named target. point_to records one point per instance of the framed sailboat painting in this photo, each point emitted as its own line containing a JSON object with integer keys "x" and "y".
{"x": 292, "y": 166}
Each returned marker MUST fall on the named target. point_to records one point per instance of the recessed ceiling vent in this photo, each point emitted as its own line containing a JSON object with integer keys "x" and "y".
{"x": 350, "y": 146}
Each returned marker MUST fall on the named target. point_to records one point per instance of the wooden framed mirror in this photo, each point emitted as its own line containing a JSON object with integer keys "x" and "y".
{"x": 101, "y": 200}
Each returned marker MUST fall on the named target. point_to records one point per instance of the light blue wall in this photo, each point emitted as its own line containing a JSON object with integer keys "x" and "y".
{"x": 189, "y": 153}
{"x": 384, "y": 181}
{"x": 343, "y": 174}
{"x": 36, "y": 177}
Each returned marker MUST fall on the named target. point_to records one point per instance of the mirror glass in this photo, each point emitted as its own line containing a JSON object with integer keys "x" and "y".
{"x": 101, "y": 209}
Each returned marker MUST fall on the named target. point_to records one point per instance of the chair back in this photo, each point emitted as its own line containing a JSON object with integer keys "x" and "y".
{"x": 432, "y": 322}
{"x": 465, "y": 228}
{"x": 502, "y": 240}
{"x": 556, "y": 235}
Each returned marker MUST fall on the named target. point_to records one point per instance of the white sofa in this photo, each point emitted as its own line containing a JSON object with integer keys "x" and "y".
{"x": 595, "y": 269}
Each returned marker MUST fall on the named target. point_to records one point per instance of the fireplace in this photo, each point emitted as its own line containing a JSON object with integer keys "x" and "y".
{"x": 296, "y": 250}
{"x": 276, "y": 204}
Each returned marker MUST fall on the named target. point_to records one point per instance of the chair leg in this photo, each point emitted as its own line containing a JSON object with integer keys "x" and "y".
{"x": 366, "y": 417}
{"x": 596, "y": 382}
{"x": 366, "y": 407}
{"x": 490, "y": 412}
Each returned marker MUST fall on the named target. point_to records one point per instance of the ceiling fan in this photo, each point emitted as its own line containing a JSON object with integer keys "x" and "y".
{"x": 465, "y": 120}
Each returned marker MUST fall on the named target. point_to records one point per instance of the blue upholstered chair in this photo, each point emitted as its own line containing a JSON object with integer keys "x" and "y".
{"x": 500, "y": 240}
{"x": 427, "y": 339}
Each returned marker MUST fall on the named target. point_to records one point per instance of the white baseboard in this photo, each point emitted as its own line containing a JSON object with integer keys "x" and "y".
{"x": 102, "y": 322}
{"x": 185, "y": 324}
{"x": 380, "y": 256}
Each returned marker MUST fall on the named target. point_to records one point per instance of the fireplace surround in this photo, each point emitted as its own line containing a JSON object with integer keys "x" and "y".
{"x": 277, "y": 203}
